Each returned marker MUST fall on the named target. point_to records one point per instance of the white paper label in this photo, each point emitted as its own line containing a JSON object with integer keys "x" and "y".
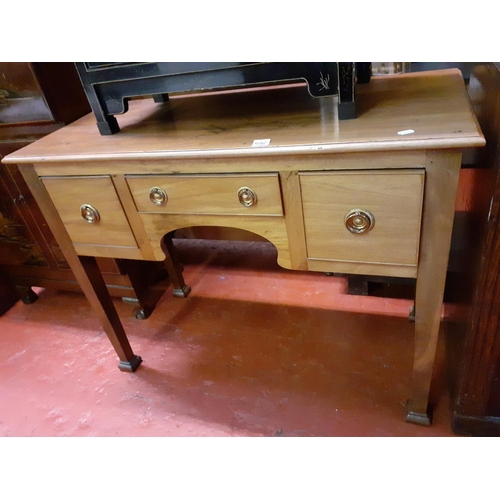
{"x": 260, "y": 142}
{"x": 406, "y": 132}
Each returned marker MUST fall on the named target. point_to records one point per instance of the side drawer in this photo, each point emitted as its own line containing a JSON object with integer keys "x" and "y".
{"x": 208, "y": 194}
{"x": 110, "y": 227}
{"x": 384, "y": 206}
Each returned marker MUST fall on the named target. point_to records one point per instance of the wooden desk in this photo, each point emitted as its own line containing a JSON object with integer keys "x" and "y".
{"x": 192, "y": 162}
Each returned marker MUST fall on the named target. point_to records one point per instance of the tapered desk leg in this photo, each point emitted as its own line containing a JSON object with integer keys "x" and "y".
{"x": 97, "y": 293}
{"x": 147, "y": 294}
{"x": 442, "y": 171}
{"x": 174, "y": 267}
{"x": 87, "y": 274}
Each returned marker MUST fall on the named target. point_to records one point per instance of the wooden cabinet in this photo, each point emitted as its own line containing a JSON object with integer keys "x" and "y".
{"x": 477, "y": 401}
{"x": 37, "y": 99}
{"x": 354, "y": 196}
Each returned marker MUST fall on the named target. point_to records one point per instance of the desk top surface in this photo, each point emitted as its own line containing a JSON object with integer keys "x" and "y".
{"x": 433, "y": 105}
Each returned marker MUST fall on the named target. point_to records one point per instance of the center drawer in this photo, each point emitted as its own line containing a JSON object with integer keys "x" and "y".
{"x": 220, "y": 194}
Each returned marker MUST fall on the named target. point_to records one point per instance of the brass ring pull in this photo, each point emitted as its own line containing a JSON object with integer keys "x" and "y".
{"x": 247, "y": 196}
{"x": 90, "y": 214}
{"x": 359, "y": 221}
{"x": 158, "y": 196}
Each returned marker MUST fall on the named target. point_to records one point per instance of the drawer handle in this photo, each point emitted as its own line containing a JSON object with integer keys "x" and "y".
{"x": 247, "y": 196}
{"x": 158, "y": 196}
{"x": 90, "y": 214}
{"x": 359, "y": 221}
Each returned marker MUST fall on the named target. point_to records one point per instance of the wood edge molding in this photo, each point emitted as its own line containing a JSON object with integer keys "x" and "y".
{"x": 110, "y": 252}
{"x": 371, "y": 269}
{"x": 418, "y": 144}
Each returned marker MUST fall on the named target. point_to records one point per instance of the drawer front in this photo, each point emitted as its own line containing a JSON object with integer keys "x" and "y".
{"x": 257, "y": 194}
{"x": 68, "y": 195}
{"x": 385, "y": 206}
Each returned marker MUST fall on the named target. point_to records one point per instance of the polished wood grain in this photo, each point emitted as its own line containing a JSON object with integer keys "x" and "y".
{"x": 28, "y": 250}
{"x": 133, "y": 218}
{"x": 270, "y": 228}
{"x": 208, "y": 194}
{"x": 368, "y": 268}
{"x": 69, "y": 194}
{"x": 227, "y": 124}
{"x": 294, "y": 218}
{"x": 216, "y": 165}
{"x": 316, "y": 168}
{"x": 393, "y": 197}
{"x": 442, "y": 171}
{"x": 109, "y": 251}
{"x": 477, "y": 403}
{"x": 174, "y": 267}
{"x": 86, "y": 272}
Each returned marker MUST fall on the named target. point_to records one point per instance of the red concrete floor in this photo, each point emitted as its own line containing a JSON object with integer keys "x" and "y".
{"x": 255, "y": 350}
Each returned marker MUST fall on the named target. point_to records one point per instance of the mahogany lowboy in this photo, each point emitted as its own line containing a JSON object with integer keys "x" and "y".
{"x": 371, "y": 196}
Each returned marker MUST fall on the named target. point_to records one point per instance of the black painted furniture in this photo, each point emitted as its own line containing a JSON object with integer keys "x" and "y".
{"x": 109, "y": 85}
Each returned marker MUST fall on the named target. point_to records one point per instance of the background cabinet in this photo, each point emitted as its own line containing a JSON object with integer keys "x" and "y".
{"x": 477, "y": 401}
{"x": 35, "y": 100}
